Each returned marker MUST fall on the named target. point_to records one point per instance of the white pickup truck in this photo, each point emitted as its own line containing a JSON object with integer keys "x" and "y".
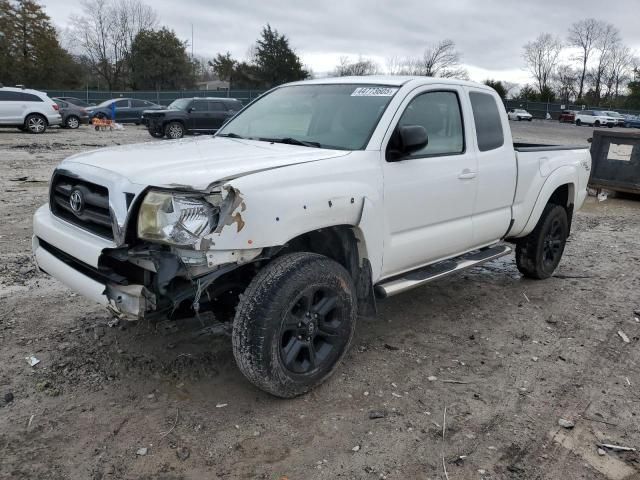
{"x": 311, "y": 202}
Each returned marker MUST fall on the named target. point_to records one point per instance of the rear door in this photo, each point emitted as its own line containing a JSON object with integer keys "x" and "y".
{"x": 497, "y": 168}
{"x": 429, "y": 194}
{"x": 123, "y": 111}
{"x": 11, "y": 108}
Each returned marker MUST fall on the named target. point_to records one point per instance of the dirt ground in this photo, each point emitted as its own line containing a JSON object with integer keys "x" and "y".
{"x": 506, "y": 357}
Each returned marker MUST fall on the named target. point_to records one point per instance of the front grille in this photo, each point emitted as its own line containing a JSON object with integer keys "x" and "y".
{"x": 93, "y": 215}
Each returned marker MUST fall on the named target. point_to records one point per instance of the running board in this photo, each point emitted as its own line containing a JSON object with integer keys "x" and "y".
{"x": 416, "y": 278}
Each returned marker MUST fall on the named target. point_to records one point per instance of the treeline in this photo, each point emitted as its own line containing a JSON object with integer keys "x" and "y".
{"x": 119, "y": 44}
{"x": 592, "y": 65}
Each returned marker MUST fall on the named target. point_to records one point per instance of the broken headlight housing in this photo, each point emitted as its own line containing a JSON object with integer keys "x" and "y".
{"x": 180, "y": 219}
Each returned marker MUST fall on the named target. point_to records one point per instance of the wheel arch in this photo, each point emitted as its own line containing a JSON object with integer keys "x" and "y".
{"x": 345, "y": 245}
{"x": 559, "y": 189}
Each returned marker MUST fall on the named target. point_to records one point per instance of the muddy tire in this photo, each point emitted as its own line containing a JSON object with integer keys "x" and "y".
{"x": 294, "y": 323}
{"x": 174, "y": 130}
{"x": 539, "y": 253}
{"x": 35, "y": 123}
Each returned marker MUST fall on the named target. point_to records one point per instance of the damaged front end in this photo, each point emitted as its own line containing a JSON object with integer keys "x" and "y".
{"x": 173, "y": 263}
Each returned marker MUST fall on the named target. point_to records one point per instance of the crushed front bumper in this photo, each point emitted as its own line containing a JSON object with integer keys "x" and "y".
{"x": 52, "y": 244}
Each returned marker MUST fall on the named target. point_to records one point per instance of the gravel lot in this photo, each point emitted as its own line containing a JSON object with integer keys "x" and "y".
{"x": 506, "y": 357}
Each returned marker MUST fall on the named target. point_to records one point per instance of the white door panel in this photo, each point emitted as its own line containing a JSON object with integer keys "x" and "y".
{"x": 428, "y": 201}
{"x": 497, "y": 173}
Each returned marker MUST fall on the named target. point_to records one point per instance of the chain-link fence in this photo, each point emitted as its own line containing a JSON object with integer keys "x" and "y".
{"x": 159, "y": 97}
{"x": 540, "y": 109}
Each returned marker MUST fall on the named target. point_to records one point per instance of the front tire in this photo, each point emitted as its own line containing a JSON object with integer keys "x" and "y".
{"x": 174, "y": 130}
{"x": 35, "y": 123}
{"x": 578, "y": 123}
{"x": 596, "y": 123}
{"x": 294, "y": 323}
{"x": 539, "y": 253}
{"x": 156, "y": 134}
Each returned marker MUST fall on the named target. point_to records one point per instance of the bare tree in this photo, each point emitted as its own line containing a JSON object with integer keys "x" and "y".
{"x": 608, "y": 41}
{"x": 106, "y": 30}
{"x": 566, "y": 80}
{"x": 438, "y": 60}
{"x": 619, "y": 69}
{"x": 584, "y": 35}
{"x": 541, "y": 56}
{"x": 362, "y": 66}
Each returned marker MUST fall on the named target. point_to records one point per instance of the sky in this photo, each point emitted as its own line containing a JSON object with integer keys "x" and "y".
{"x": 489, "y": 34}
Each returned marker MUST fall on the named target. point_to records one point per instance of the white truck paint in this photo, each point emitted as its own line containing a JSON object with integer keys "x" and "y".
{"x": 404, "y": 213}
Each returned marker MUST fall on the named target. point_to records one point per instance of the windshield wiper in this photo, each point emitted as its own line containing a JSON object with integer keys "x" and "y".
{"x": 292, "y": 141}
{"x": 229, "y": 135}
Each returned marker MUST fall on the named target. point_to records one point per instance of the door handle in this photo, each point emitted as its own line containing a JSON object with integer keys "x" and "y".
{"x": 467, "y": 174}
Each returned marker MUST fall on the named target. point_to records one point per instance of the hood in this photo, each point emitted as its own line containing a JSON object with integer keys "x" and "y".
{"x": 196, "y": 163}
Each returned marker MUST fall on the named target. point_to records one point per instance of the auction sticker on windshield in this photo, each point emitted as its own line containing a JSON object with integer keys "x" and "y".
{"x": 374, "y": 92}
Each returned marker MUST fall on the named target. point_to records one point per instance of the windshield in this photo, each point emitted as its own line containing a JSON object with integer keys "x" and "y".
{"x": 598, "y": 113}
{"x": 326, "y": 116}
{"x": 180, "y": 104}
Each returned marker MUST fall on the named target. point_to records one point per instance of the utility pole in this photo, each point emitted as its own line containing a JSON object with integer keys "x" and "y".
{"x": 192, "y": 42}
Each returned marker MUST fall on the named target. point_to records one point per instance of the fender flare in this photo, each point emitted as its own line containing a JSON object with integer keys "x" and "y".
{"x": 565, "y": 175}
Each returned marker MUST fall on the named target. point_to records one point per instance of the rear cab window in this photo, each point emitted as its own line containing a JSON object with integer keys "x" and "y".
{"x": 488, "y": 122}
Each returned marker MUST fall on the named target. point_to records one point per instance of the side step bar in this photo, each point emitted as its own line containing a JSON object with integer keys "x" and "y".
{"x": 416, "y": 278}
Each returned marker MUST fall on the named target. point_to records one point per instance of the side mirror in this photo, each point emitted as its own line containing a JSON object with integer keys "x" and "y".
{"x": 406, "y": 140}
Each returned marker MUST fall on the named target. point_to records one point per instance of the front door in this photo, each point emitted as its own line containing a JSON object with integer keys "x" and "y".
{"x": 429, "y": 194}
{"x": 199, "y": 115}
{"x": 123, "y": 111}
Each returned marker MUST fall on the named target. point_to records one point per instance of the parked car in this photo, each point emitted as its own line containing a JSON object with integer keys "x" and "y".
{"x": 127, "y": 110}
{"x": 76, "y": 101}
{"x": 632, "y": 121}
{"x": 519, "y": 114}
{"x": 28, "y": 110}
{"x": 595, "y": 118}
{"x": 619, "y": 118}
{"x": 72, "y": 115}
{"x": 191, "y": 115}
{"x": 313, "y": 199}
{"x": 567, "y": 116}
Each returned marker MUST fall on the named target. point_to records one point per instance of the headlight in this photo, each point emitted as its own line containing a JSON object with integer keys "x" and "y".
{"x": 177, "y": 218}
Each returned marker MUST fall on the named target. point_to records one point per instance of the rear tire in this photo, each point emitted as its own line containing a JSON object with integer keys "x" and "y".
{"x": 596, "y": 123}
{"x": 174, "y": 130}
{"x": 72, "y": 122}
{"x": 294, "y": 323}
{"x": 539, "y": 253}
{"x": 578, "y": 123}
{"x": 35, "y": 123}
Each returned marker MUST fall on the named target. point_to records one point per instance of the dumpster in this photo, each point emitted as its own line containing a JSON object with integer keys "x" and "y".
{"x": 615, "y": 161}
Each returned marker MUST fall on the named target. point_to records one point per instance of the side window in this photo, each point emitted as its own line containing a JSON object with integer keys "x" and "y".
{"x": 122, "y": 103}
{"x": 61, "y": 104}
{"x": 217, "y": 106}
{"x": 439, "y": 113}
{"x": 28, "y": 97}
{"x": 199, "y": 106}
{"x": 8, "y": 96}
{"x": 138, "y": 103}
{"x": 488, "y": 122}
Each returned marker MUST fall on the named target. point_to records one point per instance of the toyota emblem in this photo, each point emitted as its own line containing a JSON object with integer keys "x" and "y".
{"x": 76, "y": 201}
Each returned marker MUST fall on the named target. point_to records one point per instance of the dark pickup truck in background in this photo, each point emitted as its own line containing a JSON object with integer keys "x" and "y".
{"x": 191, "y": 115}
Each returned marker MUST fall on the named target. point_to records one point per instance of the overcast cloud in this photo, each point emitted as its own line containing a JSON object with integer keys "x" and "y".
{"x": 489, "y": 33}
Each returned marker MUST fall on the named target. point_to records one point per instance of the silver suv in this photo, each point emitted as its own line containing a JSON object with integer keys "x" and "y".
{"x": 28, "y": 110}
